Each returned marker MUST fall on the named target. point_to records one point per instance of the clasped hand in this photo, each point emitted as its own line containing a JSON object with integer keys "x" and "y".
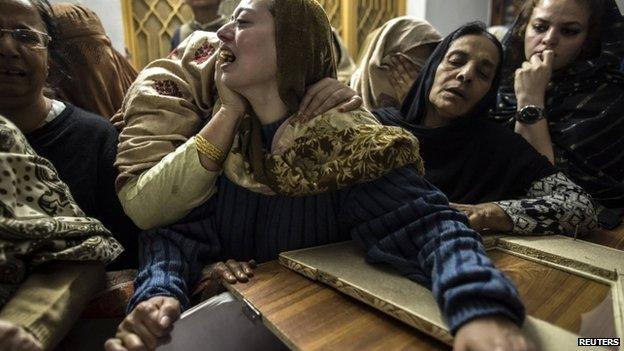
{"x": 150, "y": 323}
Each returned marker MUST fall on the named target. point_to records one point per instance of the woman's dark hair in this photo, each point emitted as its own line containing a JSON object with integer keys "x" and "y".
{"x": 514, "y": 42}
{"x": 415, "y": 104}
{"x": 56, "y": 58}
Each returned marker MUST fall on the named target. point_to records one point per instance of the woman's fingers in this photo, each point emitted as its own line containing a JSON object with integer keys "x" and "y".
{"x": 311, "y": 93}
{"x": 133, "y": 342}
{"x": 149, "y": 340}
{"x": 147, "y": 315}
{"x": 233, "y": 271}
{"x": 325, "y": 95}
{"x": 169, "y": 312}
{"x": 237, "y": 269}
{"x": 114, "y": 344}
{"x": 549, "y": 58}
{"x": 333, "y": 100}
{"x": 411, "y": 69}
{"x": 354, "y": 103}
{"x": 131, "y": 325}
{"x": 321, "y": 101}
{"x": 405, "y": 72}
{"x": 222, "y": 272}
{"x": 247, "y": 269}
{"x": 395, "y": 76}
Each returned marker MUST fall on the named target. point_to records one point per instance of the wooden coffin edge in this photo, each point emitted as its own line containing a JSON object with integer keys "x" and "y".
{"x": 272, "y": 327}
{"x": 603, "y": 267}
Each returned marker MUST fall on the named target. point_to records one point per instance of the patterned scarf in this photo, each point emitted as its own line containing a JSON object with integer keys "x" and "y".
{"x": 330, "y": 152}
{"x": 584, "y": 107}
{"x": 39, "y": 220}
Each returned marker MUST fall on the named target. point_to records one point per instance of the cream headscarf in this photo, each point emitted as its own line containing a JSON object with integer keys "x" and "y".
{"x": 402, "y": 35}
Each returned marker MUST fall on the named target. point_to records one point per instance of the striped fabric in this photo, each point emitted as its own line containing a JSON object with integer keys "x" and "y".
{"x": 399, "y": 219}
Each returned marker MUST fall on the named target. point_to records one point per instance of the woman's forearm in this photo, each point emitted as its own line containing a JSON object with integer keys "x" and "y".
{"x": 538, "y": 136}
{"x": 553, "y": 205}
{"x": 219, "y": 131}
{"x": 169, "y": 190}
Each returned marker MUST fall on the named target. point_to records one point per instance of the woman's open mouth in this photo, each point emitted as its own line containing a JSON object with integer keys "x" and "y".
{"x": 12, "y": 76}
{"x": 226, "y": 55}
{"x": 12, "y": 73}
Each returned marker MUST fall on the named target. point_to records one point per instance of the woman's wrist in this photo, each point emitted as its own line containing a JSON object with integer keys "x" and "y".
{"x": 530, "y": 99}
{"x": 233, "y": 113}
{"x": 499, "y": 219}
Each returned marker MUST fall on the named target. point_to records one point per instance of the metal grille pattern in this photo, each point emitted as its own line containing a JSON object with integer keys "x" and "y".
{"x": 334, "y": 13}
{"x": 150, "y": 24}
{"x": 154, "y": 22}
{"x": 372, "y": 14}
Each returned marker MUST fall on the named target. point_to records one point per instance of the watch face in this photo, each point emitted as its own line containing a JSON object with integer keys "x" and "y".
{"x": 530, "y": 114}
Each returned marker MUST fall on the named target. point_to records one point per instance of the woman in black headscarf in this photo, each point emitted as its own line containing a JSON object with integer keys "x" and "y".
{"x": 566, "y": 96}
{"x": 491, "y": 173}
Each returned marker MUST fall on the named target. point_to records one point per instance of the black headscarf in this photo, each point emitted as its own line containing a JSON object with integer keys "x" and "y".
{"x": 472, "y": 160}
{"x": 584, "y": 108}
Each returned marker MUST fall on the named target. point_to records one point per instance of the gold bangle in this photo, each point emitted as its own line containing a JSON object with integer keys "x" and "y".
{"x": 209, "y": 150}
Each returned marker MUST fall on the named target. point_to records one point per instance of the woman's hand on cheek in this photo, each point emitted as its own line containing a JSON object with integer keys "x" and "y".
{"x": 486, "y": 217}
{"x": 491, "y": 333}
{"x": 403, "y": 73}
{"x": 231, "y": 101}
{"x": 327, "y": 94}
{"x": 531, "y": 80}
{"x": 14, "y": 338}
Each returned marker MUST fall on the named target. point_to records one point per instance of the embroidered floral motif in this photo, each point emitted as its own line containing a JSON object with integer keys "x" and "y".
{"x": 167, "y": 88}
{"x": 333, "y": 151}
{"x": 203, "y": 53}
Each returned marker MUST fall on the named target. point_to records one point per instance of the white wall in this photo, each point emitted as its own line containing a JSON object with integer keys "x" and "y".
{"x": 446, "y": 15}
{"x": 418, "y": 8}
{"x": 109, "y": 12}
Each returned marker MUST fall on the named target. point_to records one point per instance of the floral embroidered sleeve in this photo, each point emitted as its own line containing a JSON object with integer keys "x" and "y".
{"x": 165, "y": 107}
{"x": 553, "y": 205}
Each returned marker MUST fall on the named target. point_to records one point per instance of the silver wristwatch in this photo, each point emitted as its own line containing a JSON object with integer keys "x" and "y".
{"x": 530, "y": 114}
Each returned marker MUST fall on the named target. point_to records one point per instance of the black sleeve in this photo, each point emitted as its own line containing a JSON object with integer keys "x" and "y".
{"x": 109, "y": 209}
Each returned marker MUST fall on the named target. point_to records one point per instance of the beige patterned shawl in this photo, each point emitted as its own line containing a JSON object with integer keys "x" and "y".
{"x": 39, "y": 220}
{"x": 402, "y": 35}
